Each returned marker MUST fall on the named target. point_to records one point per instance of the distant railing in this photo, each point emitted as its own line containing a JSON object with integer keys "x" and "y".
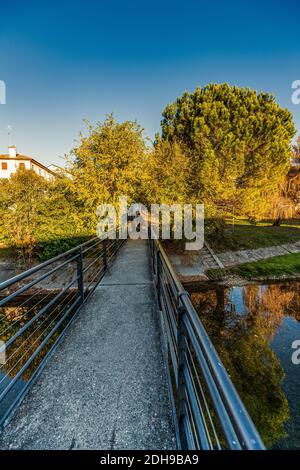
{"x": 207, "y": 410}
{"x": 37, "y": 306}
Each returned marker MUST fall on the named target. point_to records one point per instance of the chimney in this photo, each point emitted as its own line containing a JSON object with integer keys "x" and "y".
{"x": 12, "y": 151}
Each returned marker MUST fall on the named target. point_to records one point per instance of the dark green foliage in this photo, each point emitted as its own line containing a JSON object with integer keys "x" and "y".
{"x": 39, "y": 218}
{"x": 238, "y": 143}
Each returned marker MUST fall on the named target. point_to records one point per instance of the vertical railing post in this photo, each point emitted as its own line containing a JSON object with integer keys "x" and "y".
{"x": 152, "y": 255}
{"x": 152, "y": 248}
{"x": 104, "y": 245}
{"x": 181, "y": 350}
{"x": 158, "y": 277}
{"x": 152, "y": 245}
{"x": 80, "y": 274}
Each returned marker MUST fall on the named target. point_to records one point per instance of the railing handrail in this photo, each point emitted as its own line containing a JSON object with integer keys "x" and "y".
{"x": 38, "y": 267}
{"x": 64, "y": 304}
{"x": 242, "y": 424}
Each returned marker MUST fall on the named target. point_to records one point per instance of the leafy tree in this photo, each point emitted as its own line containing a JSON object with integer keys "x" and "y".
{"x": 285, "y": 204}
{"x": 42, "y": 218}
{"x": 296, "y": 149}
{"x": 21, "y": 200}
{"x": 39, "y": 217}
{"x": 107, "y": 164}
{"x": 60, "y": 224}
{"x": 238, "y": 142}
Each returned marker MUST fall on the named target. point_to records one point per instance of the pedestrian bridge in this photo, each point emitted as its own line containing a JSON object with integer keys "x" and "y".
{"x": 110, "y": 354}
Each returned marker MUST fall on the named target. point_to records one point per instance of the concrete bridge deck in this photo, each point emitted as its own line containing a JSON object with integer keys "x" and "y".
{"x": 104, "y": 387}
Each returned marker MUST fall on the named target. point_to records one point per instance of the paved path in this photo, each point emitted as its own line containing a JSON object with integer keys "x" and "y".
{"x": 232, "y": 258}
{"x": 195, "y": 264}
{"x": 104, "y": 388}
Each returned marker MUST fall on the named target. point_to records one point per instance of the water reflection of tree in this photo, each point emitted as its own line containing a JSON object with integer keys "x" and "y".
{"x": 243, "y": 342}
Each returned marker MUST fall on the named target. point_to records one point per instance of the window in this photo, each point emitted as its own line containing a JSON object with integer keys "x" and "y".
{"x": 4, "y": 165}
{"x": 40, "y": 172}
{"x": 22, "y": 165}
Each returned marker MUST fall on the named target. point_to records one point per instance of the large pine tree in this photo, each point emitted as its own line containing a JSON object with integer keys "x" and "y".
{"x": 238, "y": 142}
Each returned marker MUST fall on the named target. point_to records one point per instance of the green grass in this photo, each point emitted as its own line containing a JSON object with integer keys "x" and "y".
{"x": 275, "y": 266}
{"x": 246, "y": 236}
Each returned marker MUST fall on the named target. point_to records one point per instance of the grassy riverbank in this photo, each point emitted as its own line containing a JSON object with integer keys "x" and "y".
{"x": 245, "y": 236}
{"x": 271, "y": 267}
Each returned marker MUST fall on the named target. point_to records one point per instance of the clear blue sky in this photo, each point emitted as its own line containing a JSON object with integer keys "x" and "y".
{"x": 63, "y": 61}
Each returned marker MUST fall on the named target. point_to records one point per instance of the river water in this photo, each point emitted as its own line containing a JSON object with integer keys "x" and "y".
{"x": 253, "y": 328}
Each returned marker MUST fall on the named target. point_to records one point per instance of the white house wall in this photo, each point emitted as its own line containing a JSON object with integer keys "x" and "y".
{"x": 13, "y": 165}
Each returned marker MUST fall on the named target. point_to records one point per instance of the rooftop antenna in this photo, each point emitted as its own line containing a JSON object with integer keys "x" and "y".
{"x": 9, "y": 132}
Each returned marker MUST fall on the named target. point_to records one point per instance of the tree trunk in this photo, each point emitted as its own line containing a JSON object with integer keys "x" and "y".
{"x": 277, "y": 222}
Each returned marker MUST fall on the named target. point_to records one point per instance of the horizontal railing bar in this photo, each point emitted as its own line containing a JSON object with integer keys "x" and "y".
{"x": 37, "y": 351}
{"x": 169, "y": 371}
{"x": 192, "y": 362}
{"x": 235, "y": 421}
{"x": 171, "y": 311}
{"x": 90, "y": 256}
{"x": 63, "y": 309}
{"x": 168, "y": 264}
{"x": 188, "y": 360}
{"x": 36, "y": 373}
{"x": 91, "y": 264}
{"x": 18, "y": 319}
{"x": 20, "y": 277}
{"x": 171, "y": 345}
{"x": 196, "y": 411}
{"x": 175, "y": 287}
{"x": 188, "y": 433}
{"x": 190, "y": 416}
{"x": 169, "y": 286}
{"x": 101, "y": 273}
{"x": 86, "y": 250}
{"x": 116, "y": 246}
{"x": 58, "y": 313}
{"x": 246, "y": 431}
{"x": 96, "y": 247}
{"x": 36, "y": 281}
{"x": 214, "y": 392}
{"x": 36, "y": 317}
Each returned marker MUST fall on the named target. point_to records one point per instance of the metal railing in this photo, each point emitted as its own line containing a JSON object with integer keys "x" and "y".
{"x": 37, "y": 306}
{"x": 207, "y": 410}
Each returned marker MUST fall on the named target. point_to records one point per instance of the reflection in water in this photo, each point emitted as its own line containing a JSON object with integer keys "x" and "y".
{"x": 252, "y": 328}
